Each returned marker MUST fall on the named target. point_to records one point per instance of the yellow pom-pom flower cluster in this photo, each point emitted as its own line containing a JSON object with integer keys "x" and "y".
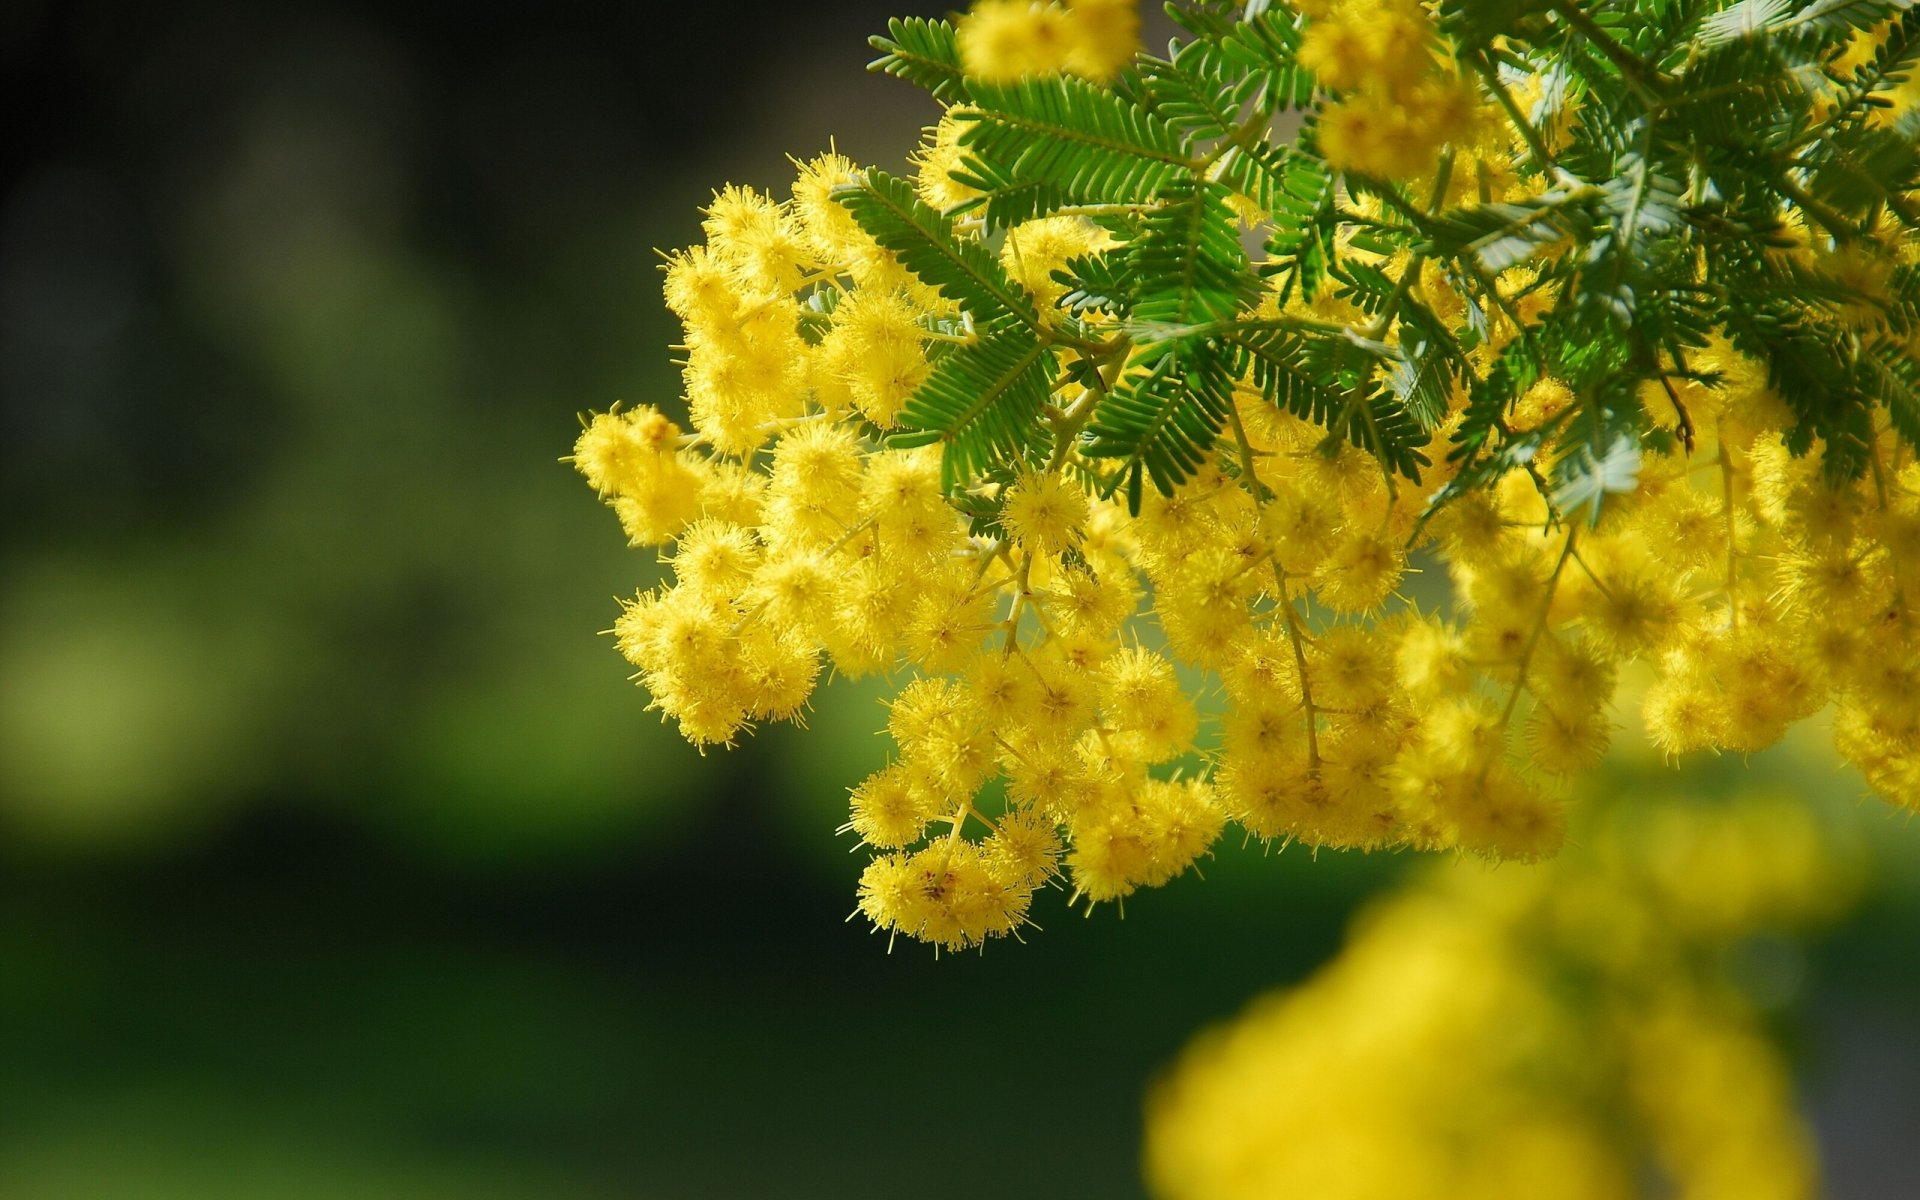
{"x": 1090, "y": 695}
{"x": 1400, "y": 102}
{"x": 1566, "y": 1034}
{"x": 1006, "y": 39}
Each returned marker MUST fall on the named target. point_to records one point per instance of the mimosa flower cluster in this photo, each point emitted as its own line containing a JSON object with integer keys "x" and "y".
{"x": 1401, "y": 101}
{"x": 1097, "y": 679}
{"x": 1005, "y": 39}
{"x": 1567, "y": 1034}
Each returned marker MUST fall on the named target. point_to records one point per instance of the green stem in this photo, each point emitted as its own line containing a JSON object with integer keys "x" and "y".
{"x": 1631, "y": 68}
{"x": 1288, "y": 616}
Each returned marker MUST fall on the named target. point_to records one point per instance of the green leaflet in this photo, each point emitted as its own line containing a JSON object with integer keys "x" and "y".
{"x": 1187, "y": 277}
{"x": 1258, "y": 171}
{"x": 1844, "y": 16}
{"x": 1268, "y": 43}
{"x": 1898, "y": 56}
{"x": 1005, "y": 200}
{"x": 1748, "y": 88}
{"x": 1093, "y": 144}
{"x": 1895, "y": 375}
{"x": 1316, "y": 381}
{"x": 983, "y": 404}
{"x": 1499, "y": 236}
{"x": 923, "y": 53}
{"x": 1809, "y": 372}
{"x": 1161, "y": 421}
{"x": 1204, "y": 86}
{"x": 1099, "y": 283}
{"x": 1596, "y": 462}
{"x": 1421, "y": 375}
{"x": 1301, "y": 247}
{"x": 1188, "y": 263}
{"x": 1743, "y": 19}
{"x": 961, "y": 268}
{"x": 1862, "y": 169}
{"x": 1198, "y": 90}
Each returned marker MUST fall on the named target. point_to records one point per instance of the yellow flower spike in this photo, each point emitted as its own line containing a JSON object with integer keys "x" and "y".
{"x": 1361, "y": 572}
{"x": 1023, "y": 847}
{"x": 1567, "y": 741}
{"x": 1006, "y": 39}
{"x": 1106, "y": 36}
{"x": 936, "y": 161}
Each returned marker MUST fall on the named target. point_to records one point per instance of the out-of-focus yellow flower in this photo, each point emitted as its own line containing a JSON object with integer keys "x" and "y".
{"x": 1006, "y": 39}
{"x": 1565, "y": 1033}
{"x": 1400, "y": 102}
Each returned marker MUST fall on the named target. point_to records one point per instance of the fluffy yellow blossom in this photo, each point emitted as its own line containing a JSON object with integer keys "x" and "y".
{"x": 936, "y": 162}
{"x": 1034, "y": 250}
{"x": 1106, "y": 35}
{"x": 1044, "y": 512}
{"x": 631, "y": 459}
{"x": 875, "y": 352}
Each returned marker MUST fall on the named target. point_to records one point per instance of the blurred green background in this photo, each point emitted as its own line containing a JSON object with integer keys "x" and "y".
{"x": 337, "y": 856}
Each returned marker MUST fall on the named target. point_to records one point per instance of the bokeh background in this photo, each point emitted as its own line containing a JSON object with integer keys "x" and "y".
{"x": 337, "y": 856}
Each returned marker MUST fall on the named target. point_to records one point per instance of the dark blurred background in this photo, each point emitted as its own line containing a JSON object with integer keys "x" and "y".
{"x": 337, "y": 856}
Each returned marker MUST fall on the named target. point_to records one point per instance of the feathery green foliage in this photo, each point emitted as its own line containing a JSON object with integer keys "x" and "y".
{"x": 1683, "y": 171}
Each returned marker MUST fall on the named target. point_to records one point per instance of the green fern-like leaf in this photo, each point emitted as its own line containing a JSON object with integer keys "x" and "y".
{"x": 1747, "y": 89}
{"x": 1005, "y": 200}
{"x": 1269, "y": 42}
{"x": 1862, "y": 168}
{"x": 1482, "y": 448}
{"x": 1500, "y": 236}
{"x": 1886, "y": 370}
{"x": 1161, "y": 420}
{"x": 1811, "y": 373}
{"x": 983, "y": 404}
{"x": 1421, "y": 375}
{"x": 926, "y": 244}
{"x": 1257, "y": 170}
{"x": 1594, "y": 464}
{"x": 1189, "y": 263}
{"x": 1246, "y": 70}
{"x": 923, "y": 53}
{"x": 1747, "y": 18}
{"x": 1315, "y": 380}
{"x": 1197, "y": 89}
{"x": 1301, "y": 247}
{"x": 1098, "y": 284}
{"x": 1841, "y": 17}
{"x": 1096, "y": 145}
{"x": 1279, "y": 364}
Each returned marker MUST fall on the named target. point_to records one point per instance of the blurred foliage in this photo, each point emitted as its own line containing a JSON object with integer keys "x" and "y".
{"x": 280, "y": 331}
